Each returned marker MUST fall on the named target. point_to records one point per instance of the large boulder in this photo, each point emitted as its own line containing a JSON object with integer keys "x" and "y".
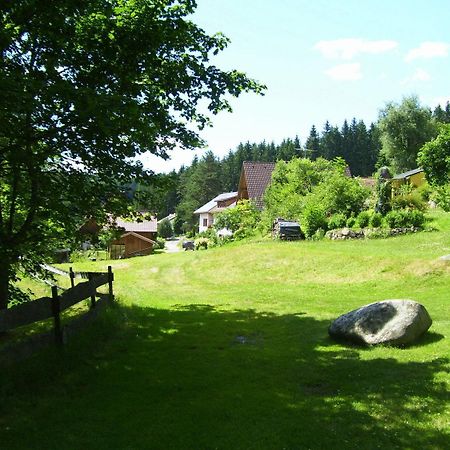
{"x": 393, "y": 322}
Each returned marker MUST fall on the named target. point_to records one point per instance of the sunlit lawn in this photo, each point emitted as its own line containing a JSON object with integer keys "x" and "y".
{"x": 228, "y": 349}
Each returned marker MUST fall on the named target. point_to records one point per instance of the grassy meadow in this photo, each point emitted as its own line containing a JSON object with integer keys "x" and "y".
{"x": 228, "y": 349}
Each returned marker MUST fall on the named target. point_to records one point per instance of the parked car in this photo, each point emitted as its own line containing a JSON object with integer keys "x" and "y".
{"x": 286, "y": 230}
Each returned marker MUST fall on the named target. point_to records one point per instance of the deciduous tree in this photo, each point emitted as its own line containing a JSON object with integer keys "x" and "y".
{"x": 85, "y": 88}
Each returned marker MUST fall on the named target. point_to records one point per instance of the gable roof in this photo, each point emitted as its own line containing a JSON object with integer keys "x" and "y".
{"x": 255, "y": 177}
{"x": 139, "y": 236}
{"x": 400, "y": 176}
{"x": 211, "y": 206}
{"x": 146, "y": 226}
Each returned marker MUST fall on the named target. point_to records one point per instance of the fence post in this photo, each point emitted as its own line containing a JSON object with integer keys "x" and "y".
{"x": 90, "y": 277}
{"x": 56, "y": 308}
{"x": 110, "y": 283}
{"x": 72, "y": 277}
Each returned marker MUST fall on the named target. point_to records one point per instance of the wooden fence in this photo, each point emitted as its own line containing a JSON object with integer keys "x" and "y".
{"x": 51, "y": 307}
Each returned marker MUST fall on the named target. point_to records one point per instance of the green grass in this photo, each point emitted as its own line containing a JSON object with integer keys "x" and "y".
{"x": 228, "y": 349}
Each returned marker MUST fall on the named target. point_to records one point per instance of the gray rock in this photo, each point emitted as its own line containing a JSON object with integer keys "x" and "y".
{"x": 393, "y": 322}
{"x": 445, "y": 258}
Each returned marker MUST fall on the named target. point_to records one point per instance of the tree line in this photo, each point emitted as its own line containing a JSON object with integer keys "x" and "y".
{"x": 394, "y": 140}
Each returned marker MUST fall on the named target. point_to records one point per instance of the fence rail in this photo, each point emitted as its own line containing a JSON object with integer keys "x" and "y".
{"x": 51, "y": 307}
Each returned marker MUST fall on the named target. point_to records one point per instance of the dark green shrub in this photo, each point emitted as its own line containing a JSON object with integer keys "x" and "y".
{"x": 376, "y": 220}
{"x": 165, "y": 229}
{"x": 394, "y": 219}
{"x": 336, "y": 221}
{"x": 404, "y": 218}
{"x": 363, "y": 219}
{"x": 313, "y": 219}
{"x": 350, "y": 222}
{"x": 416, "y": 218}
{"x": 160, "y": 243}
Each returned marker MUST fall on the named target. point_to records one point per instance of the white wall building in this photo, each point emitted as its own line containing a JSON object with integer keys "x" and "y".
{"x": 207, "y": 212}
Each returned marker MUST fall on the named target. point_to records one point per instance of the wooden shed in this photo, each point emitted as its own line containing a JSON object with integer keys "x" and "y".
{"x": 138, "y": 239}
{"x": 415, "y": 178}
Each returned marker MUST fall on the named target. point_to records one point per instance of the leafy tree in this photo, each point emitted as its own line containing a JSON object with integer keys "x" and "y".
{"x": 85, "y": 88}
{"x": 434, "y": 158}
{"x": 404, "y": 129}
{"x": 242, "y": 220}
{"x": 165, "y": 229}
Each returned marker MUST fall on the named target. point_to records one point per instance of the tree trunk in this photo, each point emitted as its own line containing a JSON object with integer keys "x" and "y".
{"x": 5, "y": 273}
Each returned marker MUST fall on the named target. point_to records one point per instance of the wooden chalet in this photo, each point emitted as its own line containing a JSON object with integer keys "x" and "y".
{"x": 138, "y": 238}
{"x": 255, "y": 177}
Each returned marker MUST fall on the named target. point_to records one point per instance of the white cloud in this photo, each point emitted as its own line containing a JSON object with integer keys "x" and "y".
{"x": 345, "y": 72}
{"x": 418, "y": 75}
{"x": 421, "y": 75}
{"x": 349, "y": 48}
{"x": 428, "y": 50}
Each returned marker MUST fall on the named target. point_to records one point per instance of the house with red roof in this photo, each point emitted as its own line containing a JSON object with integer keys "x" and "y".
{"x": 255, "y": 177}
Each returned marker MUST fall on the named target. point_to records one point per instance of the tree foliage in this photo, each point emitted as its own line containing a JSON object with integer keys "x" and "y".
{"x": 242, "y": 220}
{"x": 312, "y": 190}
{"x": 405, "y": 127}
{"x": 434, "y": 158}
{"x": 85, "y": 88}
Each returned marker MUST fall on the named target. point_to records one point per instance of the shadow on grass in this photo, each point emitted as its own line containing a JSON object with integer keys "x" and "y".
{"x": 199, "y": 377}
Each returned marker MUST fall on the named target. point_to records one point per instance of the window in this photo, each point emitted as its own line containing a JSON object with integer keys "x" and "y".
{"x": 205, "y": 222}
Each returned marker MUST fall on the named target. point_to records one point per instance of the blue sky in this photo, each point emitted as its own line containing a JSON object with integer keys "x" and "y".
{"x": 322, "y": 60}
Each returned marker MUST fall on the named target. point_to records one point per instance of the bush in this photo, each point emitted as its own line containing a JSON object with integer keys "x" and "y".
{"x": 363, "y": 219}
{"x": 404, "y": 218}
{"x": 202, "y": 243}
{"x": 165, "y": 229}
{"x": 242, "y": 220}
{"x": 350, "y": 222}
{"x": 313, "y": 219}
{"x": 160, "y": 243}
{"x": 441, "y": 196}
{"x": 336, "y": 221}
{"x": 376, "y": 220}
{"x": 411, "y": 200}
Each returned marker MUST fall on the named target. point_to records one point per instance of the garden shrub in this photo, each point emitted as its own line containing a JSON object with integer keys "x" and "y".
{"x": 376, "y": 219}
{"x": 404, "y": 218}
{"x": 336, "y": 221}
{"x": 363, "y": 219}
{"x": 350, "y": 222}
{"x": 165, "y": 229}
{"x": 313, "y": 218}
{"x": 242, "y": 220}
{"x": 201, "y": 243}
{"x": 411, "y": 200}
{"x": 160, "y": 243}
{"x": 441, "y": 196}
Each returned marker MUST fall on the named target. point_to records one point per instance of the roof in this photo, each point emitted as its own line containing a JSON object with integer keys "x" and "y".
{"x": 211, "y": 206}
{"x": 170, "y": 218}
{"x": 146, "y": 226}
{"x": 225, "y": 196}
{"x": 143, "y": 238}
{"x": 257, "y": 176}
{"x": 407, "y": 174}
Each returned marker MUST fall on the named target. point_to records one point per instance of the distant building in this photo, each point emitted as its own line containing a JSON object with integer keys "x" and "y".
{"x": 415, "y": 178}
{"x": 138, "y": 238}
{"x": 207, "y": 212}
{"x": 255, "y": 177}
